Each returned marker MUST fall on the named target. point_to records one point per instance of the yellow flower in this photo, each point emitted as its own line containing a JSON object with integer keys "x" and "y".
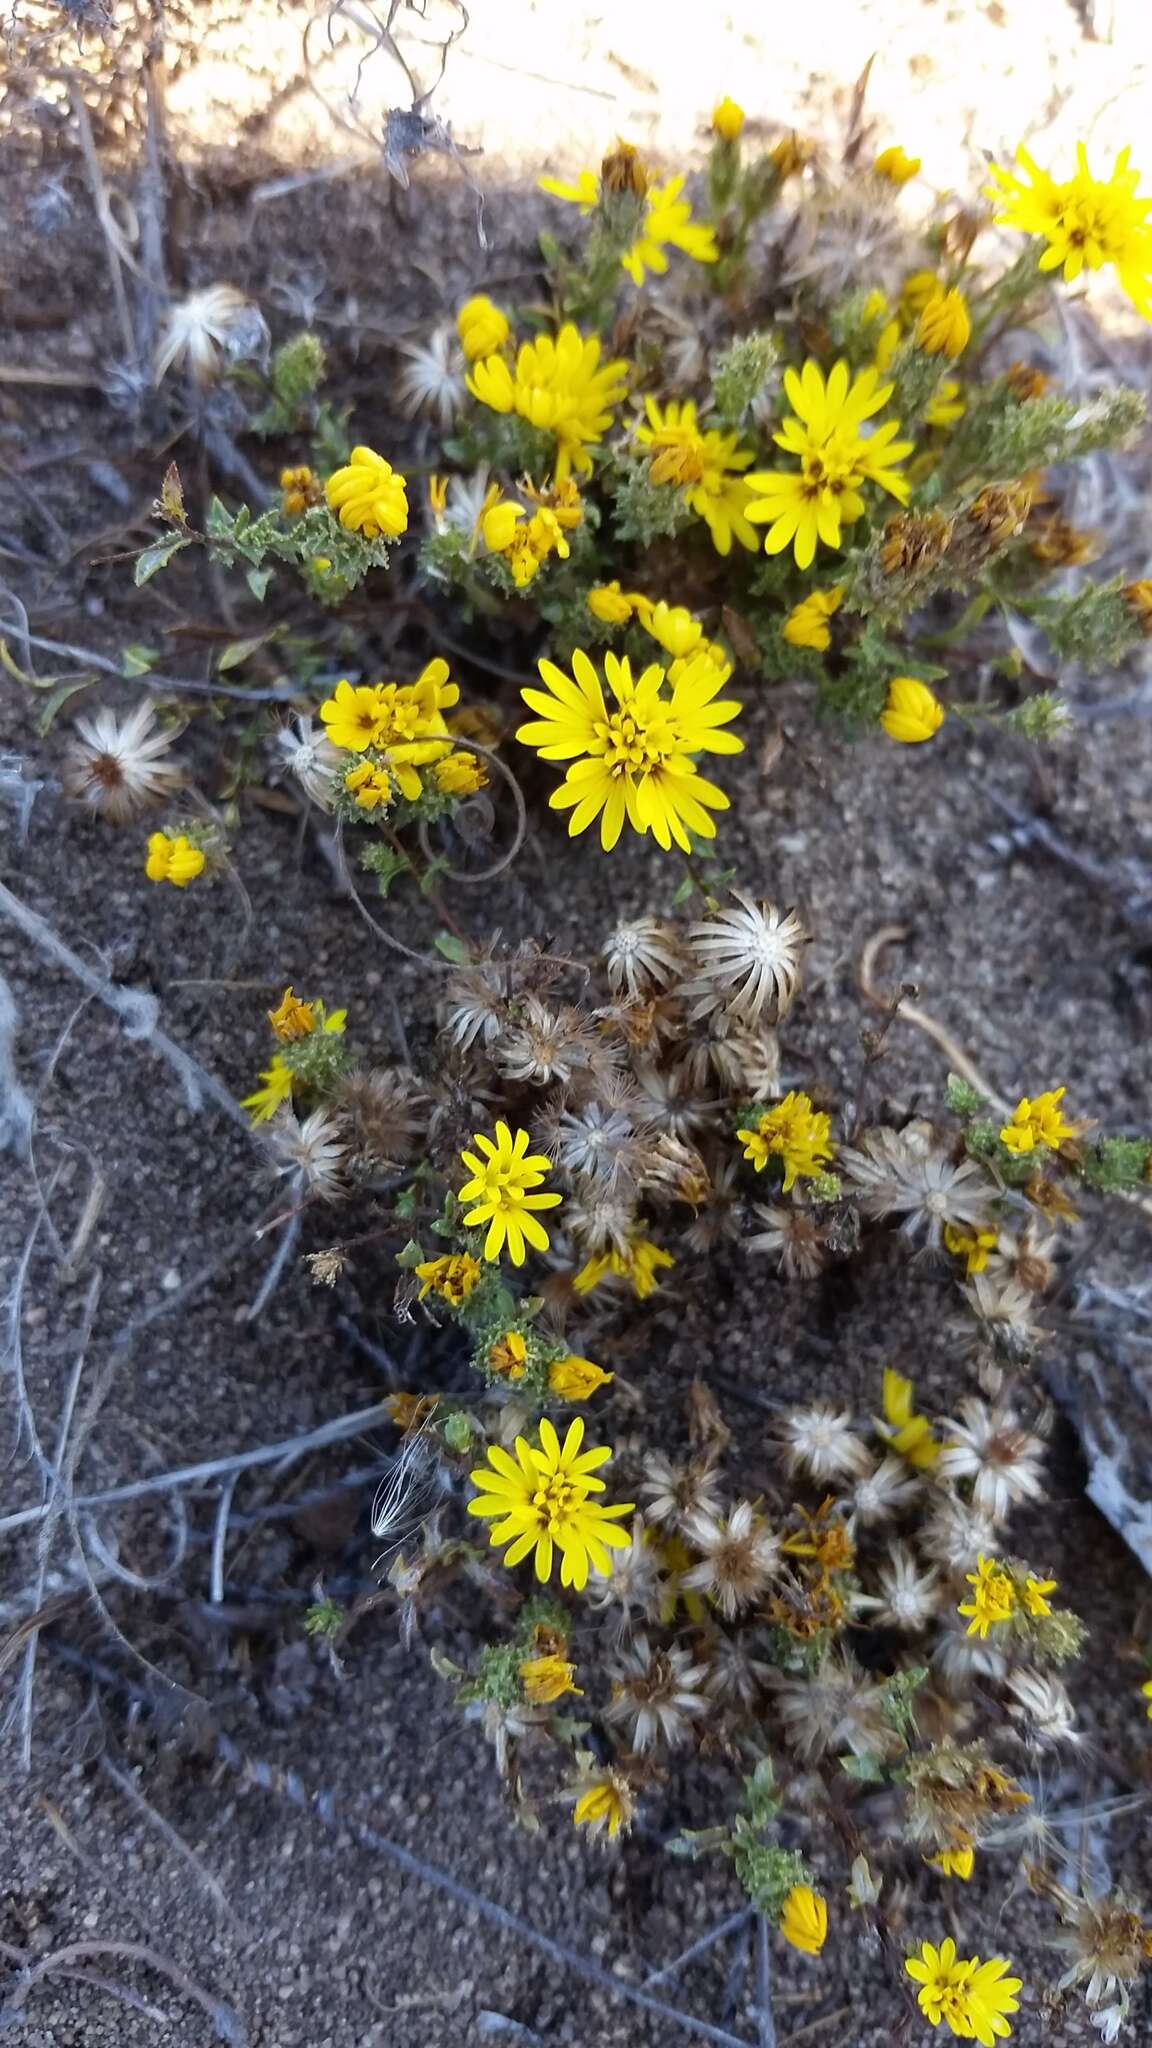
{"x": 291, "y": 1018}
{"x": 438, "y": 499}
{"x": 807, "y": 622}
{"x": 958, "y": 1861}
{"x": 277, "y": 1088}
{"x": 608, "y": 602}
{"x": 173, "y": 860}
{"x": 948, "y": 405}
{"x": 639, "y": 1265}
{"x": 727, "y": 120}
{"x": 909, "y": 1434}
{"x": 971, "y": 1245}
{"x": 503, "y": 1189}
{"x": 895, "y": 165}
{"x": 793, "y": 1132}
{"x": 574, "y": 1379}
{"x": 810, "y": 505}
{"x": 944, "y": 328}
{"x": 970, "y": 1996}
{"x": 369, "y": 496}
{"x": 988, "y": 1997}
{"x": 482, "y": 327}
{"x": 804, "y": 1920}
{"x": 605, "y": 1805}
{"x": 300, "y": 489}
{"x": 585, "y": 193}
{"x": 916, "y": 291}
{"x": 539, "y": 1503}
{"x": 546, "y": 1679}
{"x": 672, "y": 626}
{"x": 509, "y": 1354}
{"x": 705, "y": 464}
{"x": 632, "y": 762}
{"x": 668, "y": 223}
{"x": 1087, "y": 222}
{"x": 1037, "y": 1122}
{"x": 355, "y": 715}
{"x": 498, "y": 524}
{"x": 993, "y": 1597}
{"x": 459, "y": 774}
{"x": 452, "y": 1276}
{"x": 371, "y": 785}
{"x": 1034, "y": 1594}
{"x": 1146, "y": 1693}
{"x": 560, "y": 386}
{"x": 911, "y": 713}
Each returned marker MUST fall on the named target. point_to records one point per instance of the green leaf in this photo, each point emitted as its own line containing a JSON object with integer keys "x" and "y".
{"x": 867, "y": 1769}
{"x": 386, "y": 864}
{"x": 683, "y": 893}
{"x": 258, "y": 581}
{"x": 138, "y": 659}
{"x": 436, "y": 866}
{"x": 238, "y": 651}
{"x": 58, "y": 698}
{"x": 158, "y": 556}
{"x": 452, "y": 948}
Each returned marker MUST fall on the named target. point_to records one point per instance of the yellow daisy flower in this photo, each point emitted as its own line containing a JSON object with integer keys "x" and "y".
{"x": 805, "y": 507}
{"x": 804, "y": 1920}
{"x": 503, "y": 1191}
{"x": 539, "y": 1504}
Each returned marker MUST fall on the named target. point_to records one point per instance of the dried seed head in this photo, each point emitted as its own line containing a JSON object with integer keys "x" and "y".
{"x": 746, "y": 960}
{"x": 642, "y": 957}
{"x": 208, "y": 331}
{"x": 119, "y": 766}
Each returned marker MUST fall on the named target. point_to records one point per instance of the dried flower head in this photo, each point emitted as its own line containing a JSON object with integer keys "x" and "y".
{"x": 909, "y": 1174}
{"x": 909, "y": 1596}
{"x": 954, "y": 1534}
{"x": 208, "y": 331}
{"x": 1042, "y": 1709}
{"x": 822, "y": 1443}
{"x": 675, "y": 1494}
{"x": 745, "y": 959}
{"x": 834, "y": 1707}
{"x": 387, "y": 1112}
{"x": 315, "y": 1149}
{"x": 1106, "y": 1942}
{"x": 432, "y": 381}
{"x": 312, "y": 759}
{"x": 887, "y": 1491}
{"x": 120, "y": 766}
{"x": 543, "y": 1045}
{"x": 739, "y": 1557}
{"x": 793, "y": 1237}
{"x": 635, "y": 1590}
{"x": 641, "y": 957}
{"x": 657, "y": 1694}
{"x": 1004, "y": 1461}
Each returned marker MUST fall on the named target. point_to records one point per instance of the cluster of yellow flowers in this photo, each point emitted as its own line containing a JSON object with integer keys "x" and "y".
{"x": 995, "y": 1595}
{"x": 561, "y": 386}
{"x": 397, "y": 729}
{"x": 527, "y": 539}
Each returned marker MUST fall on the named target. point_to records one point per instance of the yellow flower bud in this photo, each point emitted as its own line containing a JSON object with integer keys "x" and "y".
{"x": 911, "y": 713}
{"x": 369, "y": 496}
{"x": 944, "y": 328}
{"x": 482, "y": 327}
{"x": 498, "y": 525}
{"x": 804, "y": 1920}
{"x": 727, "y": 120}
{"x": 608, "y": 602}
{"x": 574, "y": 1379}
{"x": 895, "y": 165}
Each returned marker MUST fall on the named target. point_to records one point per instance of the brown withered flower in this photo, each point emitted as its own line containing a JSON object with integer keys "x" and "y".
{"x": 1000, "y": 510}
{"x": 624, "y": 170}
{"x": 1059, "y": 544}
{"x": 1026, "y": 382}
{"x": 914, "y": 541}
